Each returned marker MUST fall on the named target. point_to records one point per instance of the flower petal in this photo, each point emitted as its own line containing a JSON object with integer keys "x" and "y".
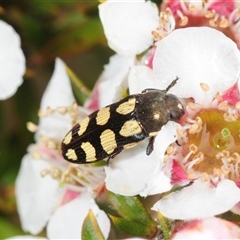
{"x": 199, "y": 200}
{"x": 36, "y": 196}
{"x": 113, "y": 79}
{"x": 57, "y": 94}
{"x": 129, "y": 173}
{"x": 140, "y": 78}
{"x": 66, "y": 223}
{"x": 59, "y": 90}
{"x": 128, "y": 26}
{"x": 12, "y": 61}
{"x": 160, "y": 181}
{"x": 165, "y": 137}
{"x": 197, "y": 55}
{"x": 157, "y": 183}
{"x": 211, "y": 228}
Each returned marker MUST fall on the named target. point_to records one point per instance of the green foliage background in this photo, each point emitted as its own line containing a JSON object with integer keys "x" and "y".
{"x": 70, "y": 30}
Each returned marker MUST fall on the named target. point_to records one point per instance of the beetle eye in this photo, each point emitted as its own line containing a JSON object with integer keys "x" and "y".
{"x": 175, "y": 107}
{"x": 175, "y": 115}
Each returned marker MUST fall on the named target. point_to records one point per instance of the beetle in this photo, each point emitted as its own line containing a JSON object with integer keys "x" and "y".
{"x": 108, "y": 131}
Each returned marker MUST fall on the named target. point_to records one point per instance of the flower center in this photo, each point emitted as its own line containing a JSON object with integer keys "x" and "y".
{"x": 217, "y": 14}
{"x": 210, "y": 146}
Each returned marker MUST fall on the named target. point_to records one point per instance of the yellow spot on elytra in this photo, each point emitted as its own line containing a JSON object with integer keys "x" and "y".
{"x": 180, "y": 106}
{"x": 103, "y": 116}
{"x": 108, "y": 141}
{"x": 126, "y": 107}
{"x": 130, "y": 145}
{"x": 71, "y": 154}
{"x": 83, "y": 126}
{"x": 89, "y": 150}
{"x": 156, "y": 116}
{"x": 68, "y": 138}
{"x": 130, "y": 128}
{"x": 152, "y": 134}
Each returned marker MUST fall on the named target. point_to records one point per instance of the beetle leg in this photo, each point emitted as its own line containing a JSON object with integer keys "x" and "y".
{"x": 150, "y": 145}
{"x": 178, "y": 143}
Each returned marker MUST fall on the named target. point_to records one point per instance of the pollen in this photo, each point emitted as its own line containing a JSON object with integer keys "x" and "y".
{"x": 74, "y": 177}
{"x": 210, "y": 143}
{"x": 204, "y": 87}
{"x": 216, "y": 14}
{"x": 32, "y": 127}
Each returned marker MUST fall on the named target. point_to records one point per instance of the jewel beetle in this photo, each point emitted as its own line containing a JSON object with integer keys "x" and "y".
{"x": 108, "y": 131}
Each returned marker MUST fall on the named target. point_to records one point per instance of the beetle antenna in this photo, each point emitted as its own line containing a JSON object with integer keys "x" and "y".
{"x": 171, "y": 84}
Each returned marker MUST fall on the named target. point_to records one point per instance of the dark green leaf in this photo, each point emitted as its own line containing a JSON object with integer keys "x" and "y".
{"x": 130, "y": 208}
{"x": 90, "y": 228}
{"x": 229, "y": 216}
{"x": 134, "y": 228}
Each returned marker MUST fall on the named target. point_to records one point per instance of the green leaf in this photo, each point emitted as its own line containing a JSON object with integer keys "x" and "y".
{"x": 134, "y": 228}
{"x": 90, "y": 228}
{"x": 130, "y": 208}
{"x": 8, "y": 229}
{"x": 165, "y": 226}
{"x": 80, "y": 90}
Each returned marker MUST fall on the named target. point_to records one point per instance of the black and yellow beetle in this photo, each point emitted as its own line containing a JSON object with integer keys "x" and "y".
{"x": 109, "y": 130}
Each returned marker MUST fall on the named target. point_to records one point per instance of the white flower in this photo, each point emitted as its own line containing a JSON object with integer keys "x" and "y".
{"x": 197, "y": 55}
{"x": 46, "y": 182}
{"x": 66, "y": 222}
{"x": 201, "y": 157}
{"x": 12, "y": 61}
{"x": 183, "y": 53}
{"x": 38, "y": 196}
{"x": 128, "y": 25}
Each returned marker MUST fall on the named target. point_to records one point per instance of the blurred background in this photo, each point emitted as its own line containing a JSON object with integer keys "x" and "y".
{"x": 70, "y": 30}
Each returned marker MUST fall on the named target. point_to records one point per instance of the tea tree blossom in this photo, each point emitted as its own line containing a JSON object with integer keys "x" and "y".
{"x": 12, "y": 61}
{"x": 128, "y": 25}
{"x": 208, "y": 153}
{"x": 46, "y": 183}
{"x": 206, "y": 70}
